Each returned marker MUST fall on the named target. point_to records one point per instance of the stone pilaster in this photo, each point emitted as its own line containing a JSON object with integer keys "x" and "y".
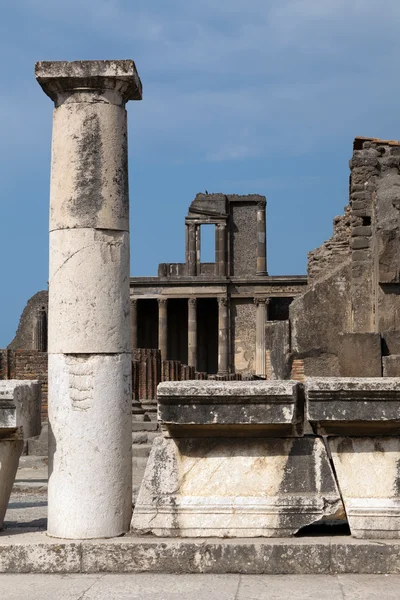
{"x": 192, "y": 332}
{"x": 134, "y": 331}
{"x": 90, "y": 398}
{"x": 163, "y": 327}
{"x": 261, "y": 319}
{"x": 261, "y": 240}
{"x": 223, "y": 336}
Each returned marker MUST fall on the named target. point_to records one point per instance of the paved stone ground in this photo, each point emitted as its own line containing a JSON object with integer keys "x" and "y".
{"x": 28, "y": 503}
{"x": 199, "y": 587}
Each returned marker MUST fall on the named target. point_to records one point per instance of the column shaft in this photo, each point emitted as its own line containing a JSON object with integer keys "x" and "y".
{"x": 261, "y": 318}
{"x": 89, "y": 340}
{"x": 134, "y": 331}
{"x": 192, "y": 333}
{"x": 261, "y": 241}
{"x": 192, "y": 250}
{"x": 163, "y": 327}
{"x": 221, "y": 249}
{"x": 223, "y": 336}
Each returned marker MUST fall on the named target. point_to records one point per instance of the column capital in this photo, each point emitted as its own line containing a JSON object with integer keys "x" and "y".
{"x": 61, "y": 79}
{"x": 162, "y": 302}
{"x": 261, "y": 205}
{"x": 223, "y": 301}
{"x": 258, "y": 301}
{"x": 192, "y": 302}
{"x": 134, "y": 302}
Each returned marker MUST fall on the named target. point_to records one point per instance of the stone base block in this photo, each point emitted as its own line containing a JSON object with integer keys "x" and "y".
{"x": 27, "y": 396}
{"x": 10, "y": 450}
{"x": 368, "y": 472}
{"x": 360, "y": 355}
{"x": 236, "y": 487}
{"x": 391, "y": 365}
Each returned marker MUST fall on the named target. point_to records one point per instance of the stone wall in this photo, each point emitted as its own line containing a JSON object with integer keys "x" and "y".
{"x": 24, "y": 338}
{"x": 334, "y": 251}
{"x": 26, "y": 365}
{"x": 243, "y": 238}
{"x": 243, "y": 328}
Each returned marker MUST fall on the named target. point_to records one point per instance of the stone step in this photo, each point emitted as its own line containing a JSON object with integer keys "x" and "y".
{"x": 144, "y": 437}
{"x": 35, "y": 552}
{"x": 144, "y": 425}
{"x": 141, "y": 450}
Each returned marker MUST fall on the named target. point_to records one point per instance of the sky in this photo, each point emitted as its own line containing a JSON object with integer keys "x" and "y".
{"x": 239, "y": 96}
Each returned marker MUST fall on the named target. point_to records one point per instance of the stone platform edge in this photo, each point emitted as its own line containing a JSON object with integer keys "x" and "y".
{"x": 35, "y": 552}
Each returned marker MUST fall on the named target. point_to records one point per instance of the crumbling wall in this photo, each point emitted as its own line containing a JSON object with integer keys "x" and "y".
{"x": 334, "y": 251}
{"x": 24, "y": 338}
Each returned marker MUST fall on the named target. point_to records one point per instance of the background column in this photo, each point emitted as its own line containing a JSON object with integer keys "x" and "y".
{"x": 261, "y": 240}
{"x": 192, "y": 332}
{"x": 221, "y": 249}
{"x": 89, "y": 340}
{"x": 163, "y": 327}
{"x": 223, "y": 336}
{"x": 134, "y": 332}
{"x": 261, "y": 319}
{"x": 192, "y": 247}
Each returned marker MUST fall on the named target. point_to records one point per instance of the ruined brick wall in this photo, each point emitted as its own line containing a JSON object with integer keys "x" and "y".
{"x": 26, "y": 364}
{"x": 334, "y": 251}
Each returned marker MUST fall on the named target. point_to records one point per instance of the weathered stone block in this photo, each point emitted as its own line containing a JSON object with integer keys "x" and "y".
{"x": 277, "y": 341}
{"x": 367, "y": 470}
{"x": 26, "y": 395}
{"x": 197, "y": 408}
{"x": 361, "y": 231}
{"x": 11, "y": 445}
{"x": 391, "y": 341}
{"x": 388, "y": 247}
{"x": 391, "y": 365}
{"x": 235, "y": 488}
{"x": 80, "y": 320}
{"x": 360, "y": 354}
{"x": 359, "y": 243}
{"x": 353, "y": 406}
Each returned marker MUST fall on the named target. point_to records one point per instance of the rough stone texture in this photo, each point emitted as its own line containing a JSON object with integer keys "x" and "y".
{"x": 24, "y": 337}
{"x": 89, "y": 445}
{"x": 235, "y": 488}
{"x": 243, "y": 239}
{"x": 277, "y": 342}
{"x": 368, "y": 473}
{"x": 89, "y": 313}
{"x": 354, "y": 406}
{"x": 27, "y": 398}
{"x": 334, "y": 251}
{"x": 360, "y": 355}
{"x": 226, "y": 408}
{"x": 317, "y": 317}
{"x": 243, "y": 326}
{"x": 391, "y": 365}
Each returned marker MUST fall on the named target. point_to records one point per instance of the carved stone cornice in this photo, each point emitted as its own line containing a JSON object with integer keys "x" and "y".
{"x": 162, "y": 302}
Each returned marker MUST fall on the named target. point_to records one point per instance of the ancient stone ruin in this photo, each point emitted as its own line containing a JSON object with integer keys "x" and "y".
{"x": 271, "y": 405}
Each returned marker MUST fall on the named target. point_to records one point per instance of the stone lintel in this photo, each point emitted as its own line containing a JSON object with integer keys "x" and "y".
{"x": 354, "y": 406}
{"x": 230, "y": 408}
{"x": 62, "y": 76}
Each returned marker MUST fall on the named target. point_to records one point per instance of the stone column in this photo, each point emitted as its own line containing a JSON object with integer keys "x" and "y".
{"x": 89, "y": 341}
{"x": 223, "y": 336}
{"x": 192, "y": 333}
{"x": 192, "y": 247}
{"x": 40, "y": 331}
{"x": 220, "y": 244}
{"x": 261, "y": 240}
{"x": 261, "y": 319}
{"x": 163, "y": 327}
{"x": 134, "y": 332}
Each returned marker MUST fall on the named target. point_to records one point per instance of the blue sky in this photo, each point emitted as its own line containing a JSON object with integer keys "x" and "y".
{"x": 240, "y": 96}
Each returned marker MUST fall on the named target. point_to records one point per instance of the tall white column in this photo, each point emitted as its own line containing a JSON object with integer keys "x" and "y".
{"x": 89, "y": 340}
{"x": 261, "y": 319}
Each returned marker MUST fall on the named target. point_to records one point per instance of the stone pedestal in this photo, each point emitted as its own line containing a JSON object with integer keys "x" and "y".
{"x": 89, "y": 325}
{"x": 223, "y": 336}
